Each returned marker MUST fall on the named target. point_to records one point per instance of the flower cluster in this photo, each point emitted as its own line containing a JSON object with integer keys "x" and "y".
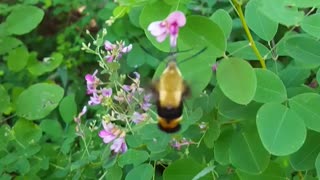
{"x": 126, "y": 107}
{"x": 98, "y": 95}
{"x": 168, "y": 27}
{"x": 111, "y": 133}
{"x": 115, "y": 51}
{"x": 179, "y": 143}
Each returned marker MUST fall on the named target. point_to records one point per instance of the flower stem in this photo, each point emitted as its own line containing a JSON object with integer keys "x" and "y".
{"x": 238, "y": 9}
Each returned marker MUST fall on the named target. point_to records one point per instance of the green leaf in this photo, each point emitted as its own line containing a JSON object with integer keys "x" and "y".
{"x": 17, "y": 59}
{"x": 237, "y": 80}
{"x": 305, "y": 157}
{"x": 247, "y": 152}
{"x": 134, "y": 157}
{"x": 212, "y": 133}
{"x": 137, "y": 56}
{"x": 47, "y": 65}
{"x": 7, "y": 43}
{"x": 307, "y": 107}
{"x": 27, "y": 132}
{"x": 18, "y": 23}
{"x": 141, "y": 172}
{"x": 182, "y": 169}
{"x": 4, "y": 99}
{"x": 281, "y": 130}
{"x": 274, "y": 171}
{"x": 199, "y": 33}
{"x": 280, "y": 12}
{"x": 114, "y": 173}
{"x": 232, "y": 110}
{"x": 204, "y": 172}
{"x": 311, "y": 25}
{"x": 318, "y": 76}
{"x": 294, "y": 76}
{"x": 222, "y": 146}
{"x": 52, "y": 128}
{"x": 317, "y": 164}
{"x": 303, "y": 49}
{"x": 270, "y": 88}
{"x": 258, "y": 22}
{"x": 38, "y": 100}
{"x": 68, "y": 108}
{"x": 22, "y": 166}
{"x": 243, "y": 50}
{"x": 224, "y": 21}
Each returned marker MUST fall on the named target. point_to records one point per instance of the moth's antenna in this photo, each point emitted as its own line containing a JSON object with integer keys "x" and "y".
{"x": 201, "y": 51}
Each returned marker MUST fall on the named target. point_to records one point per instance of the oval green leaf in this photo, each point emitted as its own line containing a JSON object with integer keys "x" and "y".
{"x": 307, "y": 107}
{"x": 305, "y": 158}
{"x": 141, "y": 172}
{"x": 134, "y": 157}
{"x": 237, "y": 80}
{"x": 317, "y": 164}
{"x": 243, "y": 50}
{"x": 251, "y": 158}
{"x": 311, "y": 25}
{"x": 18, "y": 23}
{"x": 270, "y": 88}
{"x": 222, "y": 18}
{"x": 27, "y": 132}
{"x": 38, "y": 100}
{"x": 68, "y": 108}
{"x": 182, "y": 169}
{"x": 18, "y": 59}
{"x": 258, "y": 22}
{"x": 281, "y": 130}
{"x": 304, "y": 49}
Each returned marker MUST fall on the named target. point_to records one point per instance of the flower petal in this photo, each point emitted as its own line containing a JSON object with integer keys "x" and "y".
{"x": 156, "y": 28}
{"x": 127, "y": 49}
{"x": 162, "y": 37}
{"x": 176, "y": 17}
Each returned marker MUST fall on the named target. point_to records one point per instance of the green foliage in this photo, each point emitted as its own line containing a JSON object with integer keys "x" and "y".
{"x": 241, "y": 120}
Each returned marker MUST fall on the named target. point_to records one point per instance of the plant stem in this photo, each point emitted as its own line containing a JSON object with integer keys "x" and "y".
{"x": 238, "y": 8}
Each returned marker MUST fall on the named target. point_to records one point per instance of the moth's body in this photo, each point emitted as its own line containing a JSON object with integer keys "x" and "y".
{"x": 170, "y": 90}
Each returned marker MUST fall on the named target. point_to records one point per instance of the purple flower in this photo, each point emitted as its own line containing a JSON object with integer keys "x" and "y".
{"x": 126, "y": 49}
{"x": 115, "y": 51}
{"x": 106, "y": 92}
{"x": 109, "y": 58}
{"x": 119, "y": 145}
{"x": 146, "y": 106}
{"x": 127, "y": 88}
{"x": 137, "y": 117}
{"x": 109, "y": 46}
{"x": 92, "y": 82}
{"x": 107, "y": 133}
{"x": 95, "y": 99}
{"x": 170, "y": 26}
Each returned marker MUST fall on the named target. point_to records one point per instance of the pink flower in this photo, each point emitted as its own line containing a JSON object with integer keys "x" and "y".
{"x": 109, "y": 46}
{"x": 92, "y": 82}
{"x": 107, "y": 133}
{"x": 115, "y": 51}
{"x": 119, "y": 145}
{"x": 106, "y": 92}
{"x": 137, "y": 117}
{"x": 170, "y": 26}
{"x": 95, "y": 99}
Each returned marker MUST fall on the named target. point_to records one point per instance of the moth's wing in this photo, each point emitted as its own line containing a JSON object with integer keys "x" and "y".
{"x": 186, "y": 90}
